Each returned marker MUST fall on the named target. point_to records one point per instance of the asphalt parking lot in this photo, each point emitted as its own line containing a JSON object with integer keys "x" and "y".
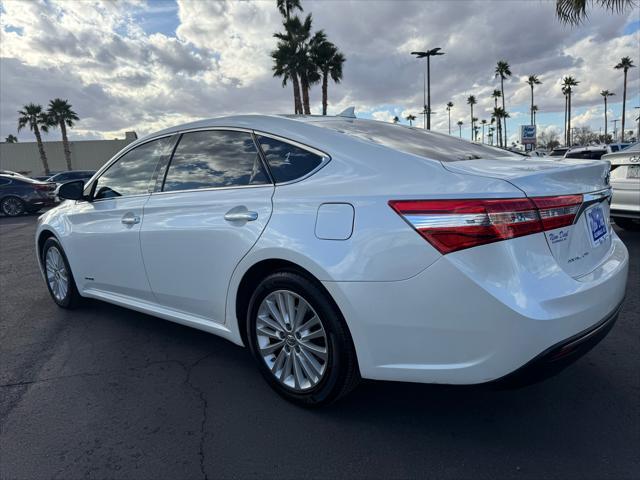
{"x": 103, "y": 392}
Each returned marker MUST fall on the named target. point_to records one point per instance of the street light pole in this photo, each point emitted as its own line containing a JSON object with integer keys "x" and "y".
{"x": 427, "y": 103}
{"x": 615, "y": 129}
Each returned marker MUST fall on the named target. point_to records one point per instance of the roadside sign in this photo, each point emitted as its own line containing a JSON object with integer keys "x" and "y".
{"x": 528, "y": 134}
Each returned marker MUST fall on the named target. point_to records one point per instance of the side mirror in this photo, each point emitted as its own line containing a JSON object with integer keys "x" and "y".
{"x": 72, "y": 190}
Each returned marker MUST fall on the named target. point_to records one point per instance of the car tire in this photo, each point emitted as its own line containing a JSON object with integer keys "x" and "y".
{"x": 12, "y": 206}
{"x": 290, "y": 356}
{"x": 627, "y": 223}
{"x": 58, "y": 276}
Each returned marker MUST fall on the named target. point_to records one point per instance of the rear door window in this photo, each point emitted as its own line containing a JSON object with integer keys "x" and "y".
{"x": 287, "y": 162}
{"x": 215, "y": 159}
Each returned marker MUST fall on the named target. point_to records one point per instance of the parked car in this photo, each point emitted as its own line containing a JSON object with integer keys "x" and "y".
{"x": 64, "y": 177}
{"x": 625, "y": 180}
{"x": 338, "y": 248}
{"x": 616, "y": 147}
{"x": 43, "y": 178}
{"x": 589, "y": 152}
{"x": 558, "y": 152}
{"x": 20, "y": 195}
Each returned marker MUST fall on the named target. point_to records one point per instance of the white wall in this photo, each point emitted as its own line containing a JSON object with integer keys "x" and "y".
{"x": 85, "y": 155}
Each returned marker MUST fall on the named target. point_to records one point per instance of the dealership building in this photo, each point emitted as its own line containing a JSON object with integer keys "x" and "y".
{"x": 24, "y": 157}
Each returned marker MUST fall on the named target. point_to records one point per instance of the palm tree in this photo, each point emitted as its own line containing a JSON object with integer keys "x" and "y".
{"x": 483, "y": 122}
{"x": 460, "y": 122}
{"x": 499, "y": 114}
{"x": 625, "y": 64}
{"x": 395, "y": 119}
{"x": 296, "y": 38}
{"x": 471, "y": 101}
{"x": 574, "y": 12}
{"x": 11, "y": 139}
{"x": 533, "y": 80}
{"x": 490, "y": 135}
{"x": 569, "y": 82}
{"x": 36, "y": 119}
{"x": 411, "y": 119}
{"x": 286, "y": 7}
{"x": 605, "y": 94}
{"x": 534, "y": 109}
{"x": 449, "y": 107}
{"x": 61, "y": 115}
{"x": 496, "y": 95}
{"x": 285, "y": 66}
{"x": 503, "y": 71}
{"x": 328, "y": 60}
{"x": 286, "y": 52}
{"x": 564, "y": 92}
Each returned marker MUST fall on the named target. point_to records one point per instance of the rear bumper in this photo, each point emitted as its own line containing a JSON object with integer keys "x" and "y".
{"x": 625, "y": 201}
{"x": 478, "y": 315}
{"x": 559, "y": 356}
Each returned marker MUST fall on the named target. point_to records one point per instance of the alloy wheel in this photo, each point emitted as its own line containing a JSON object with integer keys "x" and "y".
{"x": 57, "y": 275}
{"x": 12, "y": 206}
{"x": 292, "y": 340}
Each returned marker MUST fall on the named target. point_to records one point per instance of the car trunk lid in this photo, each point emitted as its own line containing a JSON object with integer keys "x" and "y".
{"x": 580, "y": 247}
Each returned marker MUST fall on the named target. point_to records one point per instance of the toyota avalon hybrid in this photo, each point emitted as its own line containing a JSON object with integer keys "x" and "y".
{"x": 337, "y": 248}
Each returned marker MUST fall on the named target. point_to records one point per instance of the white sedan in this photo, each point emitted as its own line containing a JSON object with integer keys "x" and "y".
{"x": 337, "y": 249}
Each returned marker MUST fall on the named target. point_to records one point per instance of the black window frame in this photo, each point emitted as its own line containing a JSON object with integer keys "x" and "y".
{"x": 89, "y": 190}
{"x": 159, "y": 186}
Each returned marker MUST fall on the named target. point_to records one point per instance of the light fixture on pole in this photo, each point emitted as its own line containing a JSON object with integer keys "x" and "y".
{"x": 427, "y": 79}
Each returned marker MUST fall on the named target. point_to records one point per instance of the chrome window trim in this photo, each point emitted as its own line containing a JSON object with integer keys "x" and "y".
{"x": 325, "y": 157}
{"x": 209, "y": 189}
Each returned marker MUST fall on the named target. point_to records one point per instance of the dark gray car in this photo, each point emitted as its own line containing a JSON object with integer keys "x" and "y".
{"x": 71, "y": 175}
{"x": 20, "y": 195}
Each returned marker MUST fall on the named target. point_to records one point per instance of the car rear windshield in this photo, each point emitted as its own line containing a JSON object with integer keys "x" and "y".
{"x": 416, "y": 141}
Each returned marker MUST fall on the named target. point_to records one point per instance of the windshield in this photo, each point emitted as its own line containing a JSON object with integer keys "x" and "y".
{"x": 415, "y": 140}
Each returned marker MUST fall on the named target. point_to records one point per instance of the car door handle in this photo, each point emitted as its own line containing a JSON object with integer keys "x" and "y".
{"x": 130, "y": 220}
{"x": 243, "y": 216}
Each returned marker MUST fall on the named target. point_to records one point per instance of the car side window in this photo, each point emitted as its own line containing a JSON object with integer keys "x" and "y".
{"x": 287, "y": 162}
{"x": 214, "y": 159}
{"x": 132, "y": 174}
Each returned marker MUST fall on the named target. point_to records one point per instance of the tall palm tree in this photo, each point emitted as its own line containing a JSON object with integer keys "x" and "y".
{"x": 503, "y": 71}
{"x": 499, "y": 114}
{"x": 533, "y": 80}
{"x": 574, "y": 12}
{"x": 285, "y": 55}
{"x": 36, "y": 119}
{"x": 296, "y": 36}
{"x": 449, "y": 107}
{"x": 625, "y": 64}
{"x": 328, "y": 60}
{"x": 569, "y": 82}
{"x": 483, "y": 122}
{"x": 471, "y": 101}
{"x": 490, "y": 135}
{"x": 411, "y": 118}
{"x": 496, "y": 95}
{"x": 61, "y": 115}
{"x": 534, "y": 109}
{"x": 285, "y": 65}
{"x": 605, "y": 94}
{"x": 564, "y": 126}
{"x": 11, "y": 139}
{"x": 460, "y": 122}
{"x": 395, "y": 119}
{"x": 286, "y": 7}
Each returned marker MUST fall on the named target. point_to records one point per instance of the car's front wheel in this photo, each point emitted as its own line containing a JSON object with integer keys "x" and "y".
{"x": 59, "y": 278}
{"x": 300, "y": 340}
{"x": 12, "y": 206}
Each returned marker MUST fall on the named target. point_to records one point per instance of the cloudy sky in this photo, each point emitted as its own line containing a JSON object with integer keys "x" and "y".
{"x": 144, "y": 65}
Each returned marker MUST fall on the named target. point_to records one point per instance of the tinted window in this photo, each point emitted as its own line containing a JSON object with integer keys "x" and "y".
{"x": 287, "y": 162}
{"x": 416, "y": 141}
{"x": 133, "y": 172}
{"x": 575, "y": 155}
{"x": 212, "y": 159}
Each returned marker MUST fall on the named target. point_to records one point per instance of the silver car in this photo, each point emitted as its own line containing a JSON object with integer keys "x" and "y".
{"x": 625, "y": 180}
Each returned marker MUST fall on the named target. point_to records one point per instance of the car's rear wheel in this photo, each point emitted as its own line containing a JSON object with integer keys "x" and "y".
{"x": 300, "y": 340}
{"x": 59, "y": 278}
{"x": 627, "y": 223}
{"x": 12, "y": 206}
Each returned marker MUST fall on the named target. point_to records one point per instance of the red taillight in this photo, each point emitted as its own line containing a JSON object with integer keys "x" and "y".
{"x": 451, "y": 225}
{"x": 44, "y": 186}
